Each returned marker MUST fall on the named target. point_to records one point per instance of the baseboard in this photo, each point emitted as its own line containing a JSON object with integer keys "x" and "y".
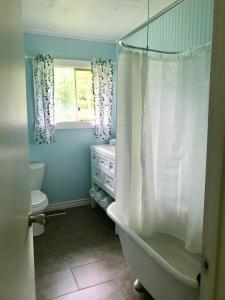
{"x": 68, "y": 204}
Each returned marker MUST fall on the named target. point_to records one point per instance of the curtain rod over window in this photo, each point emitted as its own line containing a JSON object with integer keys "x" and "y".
{"x": 146, "y": 24}
{"x": 71, "y": 59}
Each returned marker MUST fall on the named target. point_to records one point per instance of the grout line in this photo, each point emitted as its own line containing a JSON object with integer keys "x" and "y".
{"x": 81, "y": 289}
{"x": 75, "y": 279}
{"x": 99, "y": 259}
{"x": 57, "y": 297}
{"x": 79, "y": 266}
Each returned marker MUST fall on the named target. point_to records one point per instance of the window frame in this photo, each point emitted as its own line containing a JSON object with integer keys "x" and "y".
{"x": 78, "y": 65}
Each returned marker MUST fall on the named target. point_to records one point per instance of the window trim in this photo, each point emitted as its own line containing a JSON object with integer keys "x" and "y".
{"x": 75, "y": 124}
{"x": 71, "y": 63}
{"x": 74, "y": 64}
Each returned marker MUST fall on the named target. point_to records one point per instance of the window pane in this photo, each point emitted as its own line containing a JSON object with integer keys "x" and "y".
{"x": 65, "y": 103}
{"x": 84, "y": 94}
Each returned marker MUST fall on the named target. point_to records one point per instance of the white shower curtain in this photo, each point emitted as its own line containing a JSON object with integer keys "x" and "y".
{"x": 161, "y": 143}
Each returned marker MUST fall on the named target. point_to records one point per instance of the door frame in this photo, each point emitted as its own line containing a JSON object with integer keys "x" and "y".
{"x": 213, "y": 264}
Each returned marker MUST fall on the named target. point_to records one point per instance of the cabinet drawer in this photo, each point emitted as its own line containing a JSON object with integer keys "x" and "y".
{"x": 109, "y": 182}
{"x": 112, "y": 166}
{"x": 103, "y": 170}
{"x": 97, "y": 174}
{"x": 103, "y": 162}
{"x": 94, "y": 157}
{"x": 100, "y": 161}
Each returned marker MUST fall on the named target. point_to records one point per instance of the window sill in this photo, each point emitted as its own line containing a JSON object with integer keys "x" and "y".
{"x": 75, "y": 124}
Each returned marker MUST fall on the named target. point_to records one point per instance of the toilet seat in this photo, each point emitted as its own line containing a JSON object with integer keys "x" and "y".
{"x": 39, "y": 201}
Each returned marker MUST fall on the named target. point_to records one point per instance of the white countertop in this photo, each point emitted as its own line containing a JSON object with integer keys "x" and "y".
{"x": 105, "y": 149}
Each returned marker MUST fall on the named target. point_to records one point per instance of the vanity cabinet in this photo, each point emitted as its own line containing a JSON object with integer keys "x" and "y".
{"x": 103, "y": 168}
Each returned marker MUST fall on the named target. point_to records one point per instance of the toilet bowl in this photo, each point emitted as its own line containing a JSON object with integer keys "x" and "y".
{"x": 39, "y": 200}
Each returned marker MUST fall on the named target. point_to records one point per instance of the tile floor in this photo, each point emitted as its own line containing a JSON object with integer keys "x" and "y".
{"x": 80, "y": 258}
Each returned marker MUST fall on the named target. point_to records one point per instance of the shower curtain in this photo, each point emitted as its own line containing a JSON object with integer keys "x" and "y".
{"x": 161, "y": 143}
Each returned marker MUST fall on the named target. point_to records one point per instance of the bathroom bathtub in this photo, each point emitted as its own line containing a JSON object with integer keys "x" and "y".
{"x": 161, "y": 263}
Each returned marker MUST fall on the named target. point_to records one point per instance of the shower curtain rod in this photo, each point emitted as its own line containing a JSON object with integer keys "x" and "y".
{"x": 162, "y": 12}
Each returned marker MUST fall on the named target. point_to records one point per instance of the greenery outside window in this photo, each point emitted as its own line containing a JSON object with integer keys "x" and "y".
{"x": 74, "y": 99}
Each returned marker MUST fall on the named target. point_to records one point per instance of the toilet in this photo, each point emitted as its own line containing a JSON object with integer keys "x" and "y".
{"x": 39, "y": 200}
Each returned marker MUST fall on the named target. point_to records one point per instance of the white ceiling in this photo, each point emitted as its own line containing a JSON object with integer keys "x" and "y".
{"x": 107, "y": 20}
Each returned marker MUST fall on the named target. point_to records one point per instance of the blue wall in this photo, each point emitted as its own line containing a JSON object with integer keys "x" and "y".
{"x": 68, "y": 170}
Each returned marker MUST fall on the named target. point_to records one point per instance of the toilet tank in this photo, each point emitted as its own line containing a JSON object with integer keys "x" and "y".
{"x": 36, "y": 175}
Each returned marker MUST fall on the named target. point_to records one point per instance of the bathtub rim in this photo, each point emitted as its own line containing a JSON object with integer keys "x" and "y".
{"x": 150, "y": 251}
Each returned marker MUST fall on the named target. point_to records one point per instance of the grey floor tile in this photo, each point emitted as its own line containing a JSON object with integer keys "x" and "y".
{"x": 104, "y": 291}
{"x": 83, "y": 240}
{"x": 55, "y": 284}
{"x": 92, "y": 274}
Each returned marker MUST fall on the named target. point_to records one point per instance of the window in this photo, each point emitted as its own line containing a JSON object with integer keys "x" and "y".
{"x": 74, "y": 99}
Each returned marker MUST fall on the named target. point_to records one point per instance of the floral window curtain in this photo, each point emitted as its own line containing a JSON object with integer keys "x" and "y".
{"x": 43, "y": 74}
{"x": 102, "y": 71}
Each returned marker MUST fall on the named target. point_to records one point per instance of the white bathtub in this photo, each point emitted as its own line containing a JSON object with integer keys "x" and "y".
{"x": 161, "y": 263}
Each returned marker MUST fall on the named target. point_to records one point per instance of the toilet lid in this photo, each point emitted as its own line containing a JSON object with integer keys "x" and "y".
{"x": 38, "y": 199}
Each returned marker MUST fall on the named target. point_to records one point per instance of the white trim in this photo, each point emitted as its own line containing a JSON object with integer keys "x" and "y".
{"x": 68, "y": 204}
{"x": 73, "y": 63}
{"x": 212, "y": 280}
{"x": 70, "y": 36}
{"x": 75, "y": 124}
